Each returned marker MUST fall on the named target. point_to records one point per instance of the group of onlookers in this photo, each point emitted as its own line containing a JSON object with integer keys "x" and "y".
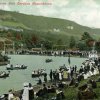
{"x": 57, "y": 79}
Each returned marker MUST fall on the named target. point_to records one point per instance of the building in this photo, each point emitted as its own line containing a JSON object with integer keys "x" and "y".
{"x": 36, "y": 49}
{"x": 6, "y": 45}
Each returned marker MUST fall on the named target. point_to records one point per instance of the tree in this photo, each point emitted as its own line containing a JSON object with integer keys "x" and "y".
{"x": 47, "y": 44}
{"x": 72, "y": 42}
{"x": 98, "y": 46}
{"x": 86, "y": 36}
{"x": 18, "y": 36}
{"x": 86, "y": 42}
{"x": 89, "y": 42}
{"x": 9, "y": 35}
{"x": 28, "y": 44}
{"x": 81, "y": 45}
{"x": 59, "y": 42}
{"x": 34, "y": 39}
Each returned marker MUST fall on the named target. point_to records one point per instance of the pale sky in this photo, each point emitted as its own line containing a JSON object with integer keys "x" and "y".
{"x": 84, "y": 12}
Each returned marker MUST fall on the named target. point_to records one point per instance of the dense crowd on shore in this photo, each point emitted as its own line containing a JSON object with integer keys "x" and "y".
{"x": 56, "y": 52}
{"x": 64, "y": 76}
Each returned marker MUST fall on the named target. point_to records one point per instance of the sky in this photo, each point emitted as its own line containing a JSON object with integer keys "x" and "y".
{"x": 84, "y": 12}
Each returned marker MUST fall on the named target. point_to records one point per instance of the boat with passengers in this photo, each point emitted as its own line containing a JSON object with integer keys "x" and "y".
{"x": 38, "y": 73}
{"x": 4, "y": 74}
{"x": 16, "y": 67}
{"x": 48, "y": 60}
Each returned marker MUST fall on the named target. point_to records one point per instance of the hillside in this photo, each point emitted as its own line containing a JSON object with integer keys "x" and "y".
{"x": 44, "y": 24}
{"x": 33, "y": 31}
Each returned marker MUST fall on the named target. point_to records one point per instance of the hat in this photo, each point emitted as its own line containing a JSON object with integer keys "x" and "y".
{"x": 2, "y": 96}
{"x": 26, "y": 84}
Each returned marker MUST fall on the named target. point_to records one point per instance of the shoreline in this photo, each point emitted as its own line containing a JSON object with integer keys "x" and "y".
{"x": 88, "y": 74}
{"x": 37, "y": 87}
{"x": 45, "y": 65}
{"x": 4, "y": 63}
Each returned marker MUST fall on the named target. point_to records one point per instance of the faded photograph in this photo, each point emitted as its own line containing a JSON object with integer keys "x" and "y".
{"x": 49, "y": 50}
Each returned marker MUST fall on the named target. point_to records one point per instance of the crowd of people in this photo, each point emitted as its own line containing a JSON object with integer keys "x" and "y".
{"x": 59, "y": 78}
{"x": 74, "y": 75}
{"x": 58, "y": 53}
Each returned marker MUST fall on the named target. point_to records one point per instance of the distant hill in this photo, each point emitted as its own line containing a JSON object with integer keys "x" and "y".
{"x": 45, "y": 24}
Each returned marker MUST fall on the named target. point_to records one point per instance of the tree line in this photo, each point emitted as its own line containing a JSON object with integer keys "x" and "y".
{"x": 36, "y": 39}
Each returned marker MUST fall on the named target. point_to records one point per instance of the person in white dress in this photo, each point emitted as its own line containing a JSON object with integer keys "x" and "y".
{"x": 10, "y": 95}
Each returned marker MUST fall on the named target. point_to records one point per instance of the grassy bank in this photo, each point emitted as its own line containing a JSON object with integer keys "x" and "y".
{"x": 71, "y": 92}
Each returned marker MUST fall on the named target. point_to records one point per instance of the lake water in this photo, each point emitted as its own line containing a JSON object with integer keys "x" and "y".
{"x": 18, "y": 77}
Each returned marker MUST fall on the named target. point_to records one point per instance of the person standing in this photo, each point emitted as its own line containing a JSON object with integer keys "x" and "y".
{"x": 60, "y": 76}
{"x": 31, "y": 92}
{"x": 99, "y": 68}
{"x": 10, "y": 95}
{"x": 51, "y": 75}
{"x": 15, "y": 97}
{"x": 75, "y": 68}
{"x": 45, "y": 77}
{"x": 28, "y": 92}
{"x": 71, "y": 73}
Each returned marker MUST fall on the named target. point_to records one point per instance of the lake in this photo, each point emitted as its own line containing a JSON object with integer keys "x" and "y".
{"x": 34, "y": 62}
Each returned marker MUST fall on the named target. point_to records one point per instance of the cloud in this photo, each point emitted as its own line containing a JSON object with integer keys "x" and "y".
{"x": 5, "y": 7}
{"x": 86, "y": 17}
{"x": 90, "y": 3}
{"x": 60, "y": 3}
{"x": 85, "y": 12}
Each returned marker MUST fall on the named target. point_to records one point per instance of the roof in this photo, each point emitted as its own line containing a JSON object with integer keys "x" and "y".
{"x": 3, "y": 39}
{"x": 36, "y": 49}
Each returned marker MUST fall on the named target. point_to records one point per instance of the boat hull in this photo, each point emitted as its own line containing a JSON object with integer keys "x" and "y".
{"x": 4, "y": 76}
{"x": 48, "y": 60}
{"x": 16, "y": 68}
{"x": 37, "y": 75}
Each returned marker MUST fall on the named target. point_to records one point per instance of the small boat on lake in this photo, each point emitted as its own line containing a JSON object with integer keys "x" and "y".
{"x": 17, "y": 67}
{"x": 48, "y": 60}
{"x": 4, "y": 74}
{"x": 4, "y": 60}
{"x": 38, "y": 73}
{"x": 63, "y": 67}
